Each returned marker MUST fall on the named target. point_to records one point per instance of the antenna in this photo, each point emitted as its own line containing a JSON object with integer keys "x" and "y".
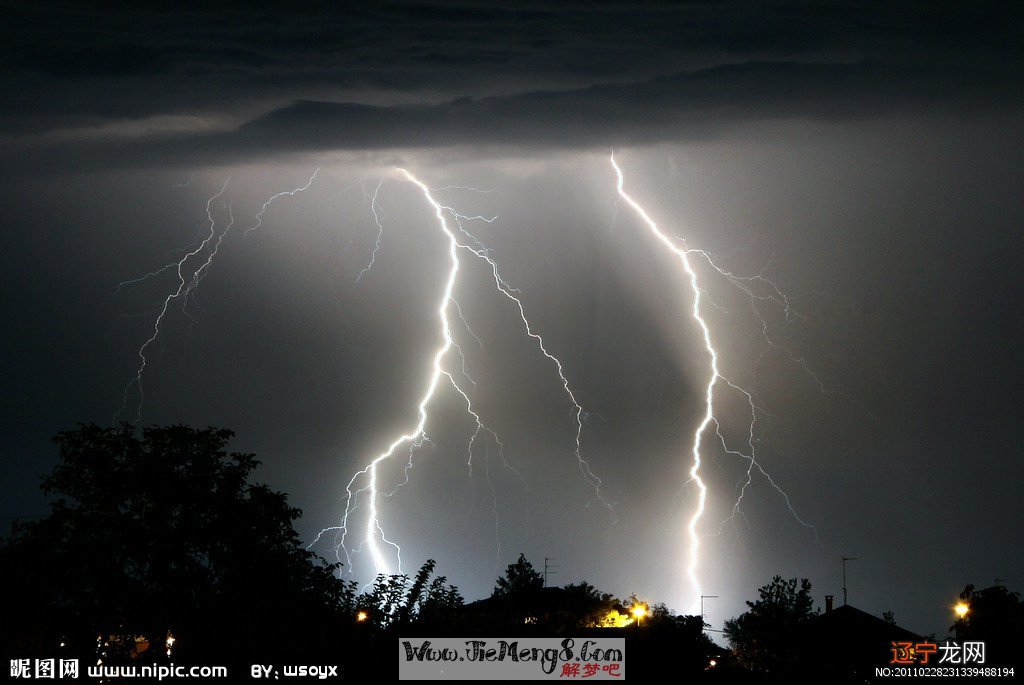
{"x": 845, "y": 559}
{"x": 547, "y": 569}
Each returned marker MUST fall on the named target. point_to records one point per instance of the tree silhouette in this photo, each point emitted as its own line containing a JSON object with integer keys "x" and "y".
{"x": 165, "y": 533}
{"x": 438, "y": 606}
{"x": 761, "y": 637}
{"x": 520, "y": 578}
{"x": 996, "y": 616}
{"x": 393, "y": 602}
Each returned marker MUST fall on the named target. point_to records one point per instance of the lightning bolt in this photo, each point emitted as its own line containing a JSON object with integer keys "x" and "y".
{"x": 365, "y": 481}
{"x": 380, "y": 227}
{"x": 210, "y": 244}
{"x": 373, "y": 529}
{"x": 364, "y": 486}
{"x": 270, "y": 201}
{"x": 748, "y": 285}
{"x": 709, "y": 392}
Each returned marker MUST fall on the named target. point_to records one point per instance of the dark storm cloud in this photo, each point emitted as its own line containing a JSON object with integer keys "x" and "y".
{"x": 652, "y": 111}
{"x": 66, "y": 65}
{"x": 670, "y": 108}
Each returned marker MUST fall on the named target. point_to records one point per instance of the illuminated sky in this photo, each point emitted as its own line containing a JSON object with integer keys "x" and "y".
{"x": 869, "y": 163}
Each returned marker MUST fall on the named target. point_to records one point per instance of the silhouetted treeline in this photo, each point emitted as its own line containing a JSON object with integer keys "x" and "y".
{"x": 158, "y": 548}
{"x": 163, "y": 537}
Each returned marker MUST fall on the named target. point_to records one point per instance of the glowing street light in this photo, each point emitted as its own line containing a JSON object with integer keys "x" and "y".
{"x": 961, "y": 609}
{"x": 362, "y": 616}
{"x": 638, "y": 611}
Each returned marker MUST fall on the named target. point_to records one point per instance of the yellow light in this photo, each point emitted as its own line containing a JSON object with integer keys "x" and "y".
{"x": 961, "y": 609}
{"x": 612, "y": 619}
{"x": 362, "y": 616}
{"x": 638, "y": 610}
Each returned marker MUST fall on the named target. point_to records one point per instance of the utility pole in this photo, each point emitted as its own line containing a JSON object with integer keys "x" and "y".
{"x": 845, "y": 559}
{"x": 702, "y": 597}
{"x": 547, "y": 570}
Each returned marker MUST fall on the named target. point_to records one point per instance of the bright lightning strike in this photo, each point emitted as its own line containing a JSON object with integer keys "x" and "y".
{"x": 691, "y": 563}
{"x": 747, "y": 285}
{"x": 373, "y": 529}
{"x": 364, "y": 482}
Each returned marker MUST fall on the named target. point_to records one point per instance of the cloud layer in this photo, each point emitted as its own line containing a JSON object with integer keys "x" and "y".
{"x": 259, "y": 81}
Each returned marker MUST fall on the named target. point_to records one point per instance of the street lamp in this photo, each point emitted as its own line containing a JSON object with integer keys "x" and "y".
{"x": 961, "y": 609}
{"x": 638, "y": 611}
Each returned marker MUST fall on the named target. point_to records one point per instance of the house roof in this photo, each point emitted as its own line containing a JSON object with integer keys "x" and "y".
{"x": 851, "y": 620}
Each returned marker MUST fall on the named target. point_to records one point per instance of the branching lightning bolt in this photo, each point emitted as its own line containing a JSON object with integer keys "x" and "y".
{"x": 364, "y": 488}
{"x": 373, "y": 529}
{"x": 702, "y": 490}
{"x": 592, "y": 479}
{"x": 479, "y": 250}
{"x": 210, "y": 244}
{"x": 746, "y": 284}
{"x": 364, "y": 482}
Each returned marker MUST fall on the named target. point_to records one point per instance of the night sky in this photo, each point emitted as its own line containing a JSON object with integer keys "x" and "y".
{"x": 866, "y": 158}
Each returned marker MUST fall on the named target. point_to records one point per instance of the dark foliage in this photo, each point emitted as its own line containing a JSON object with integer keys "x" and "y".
{"x": 392, "y": 605}
{"x": 762, "y": 637}
{"x": 520, "y": 578}
{"x": 165, "y": 534}
{"x": 995, "y": 616}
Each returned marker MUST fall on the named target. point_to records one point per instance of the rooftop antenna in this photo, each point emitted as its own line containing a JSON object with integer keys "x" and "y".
{"x": 845, "y": 559}
{"x": 547, "y": 569}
